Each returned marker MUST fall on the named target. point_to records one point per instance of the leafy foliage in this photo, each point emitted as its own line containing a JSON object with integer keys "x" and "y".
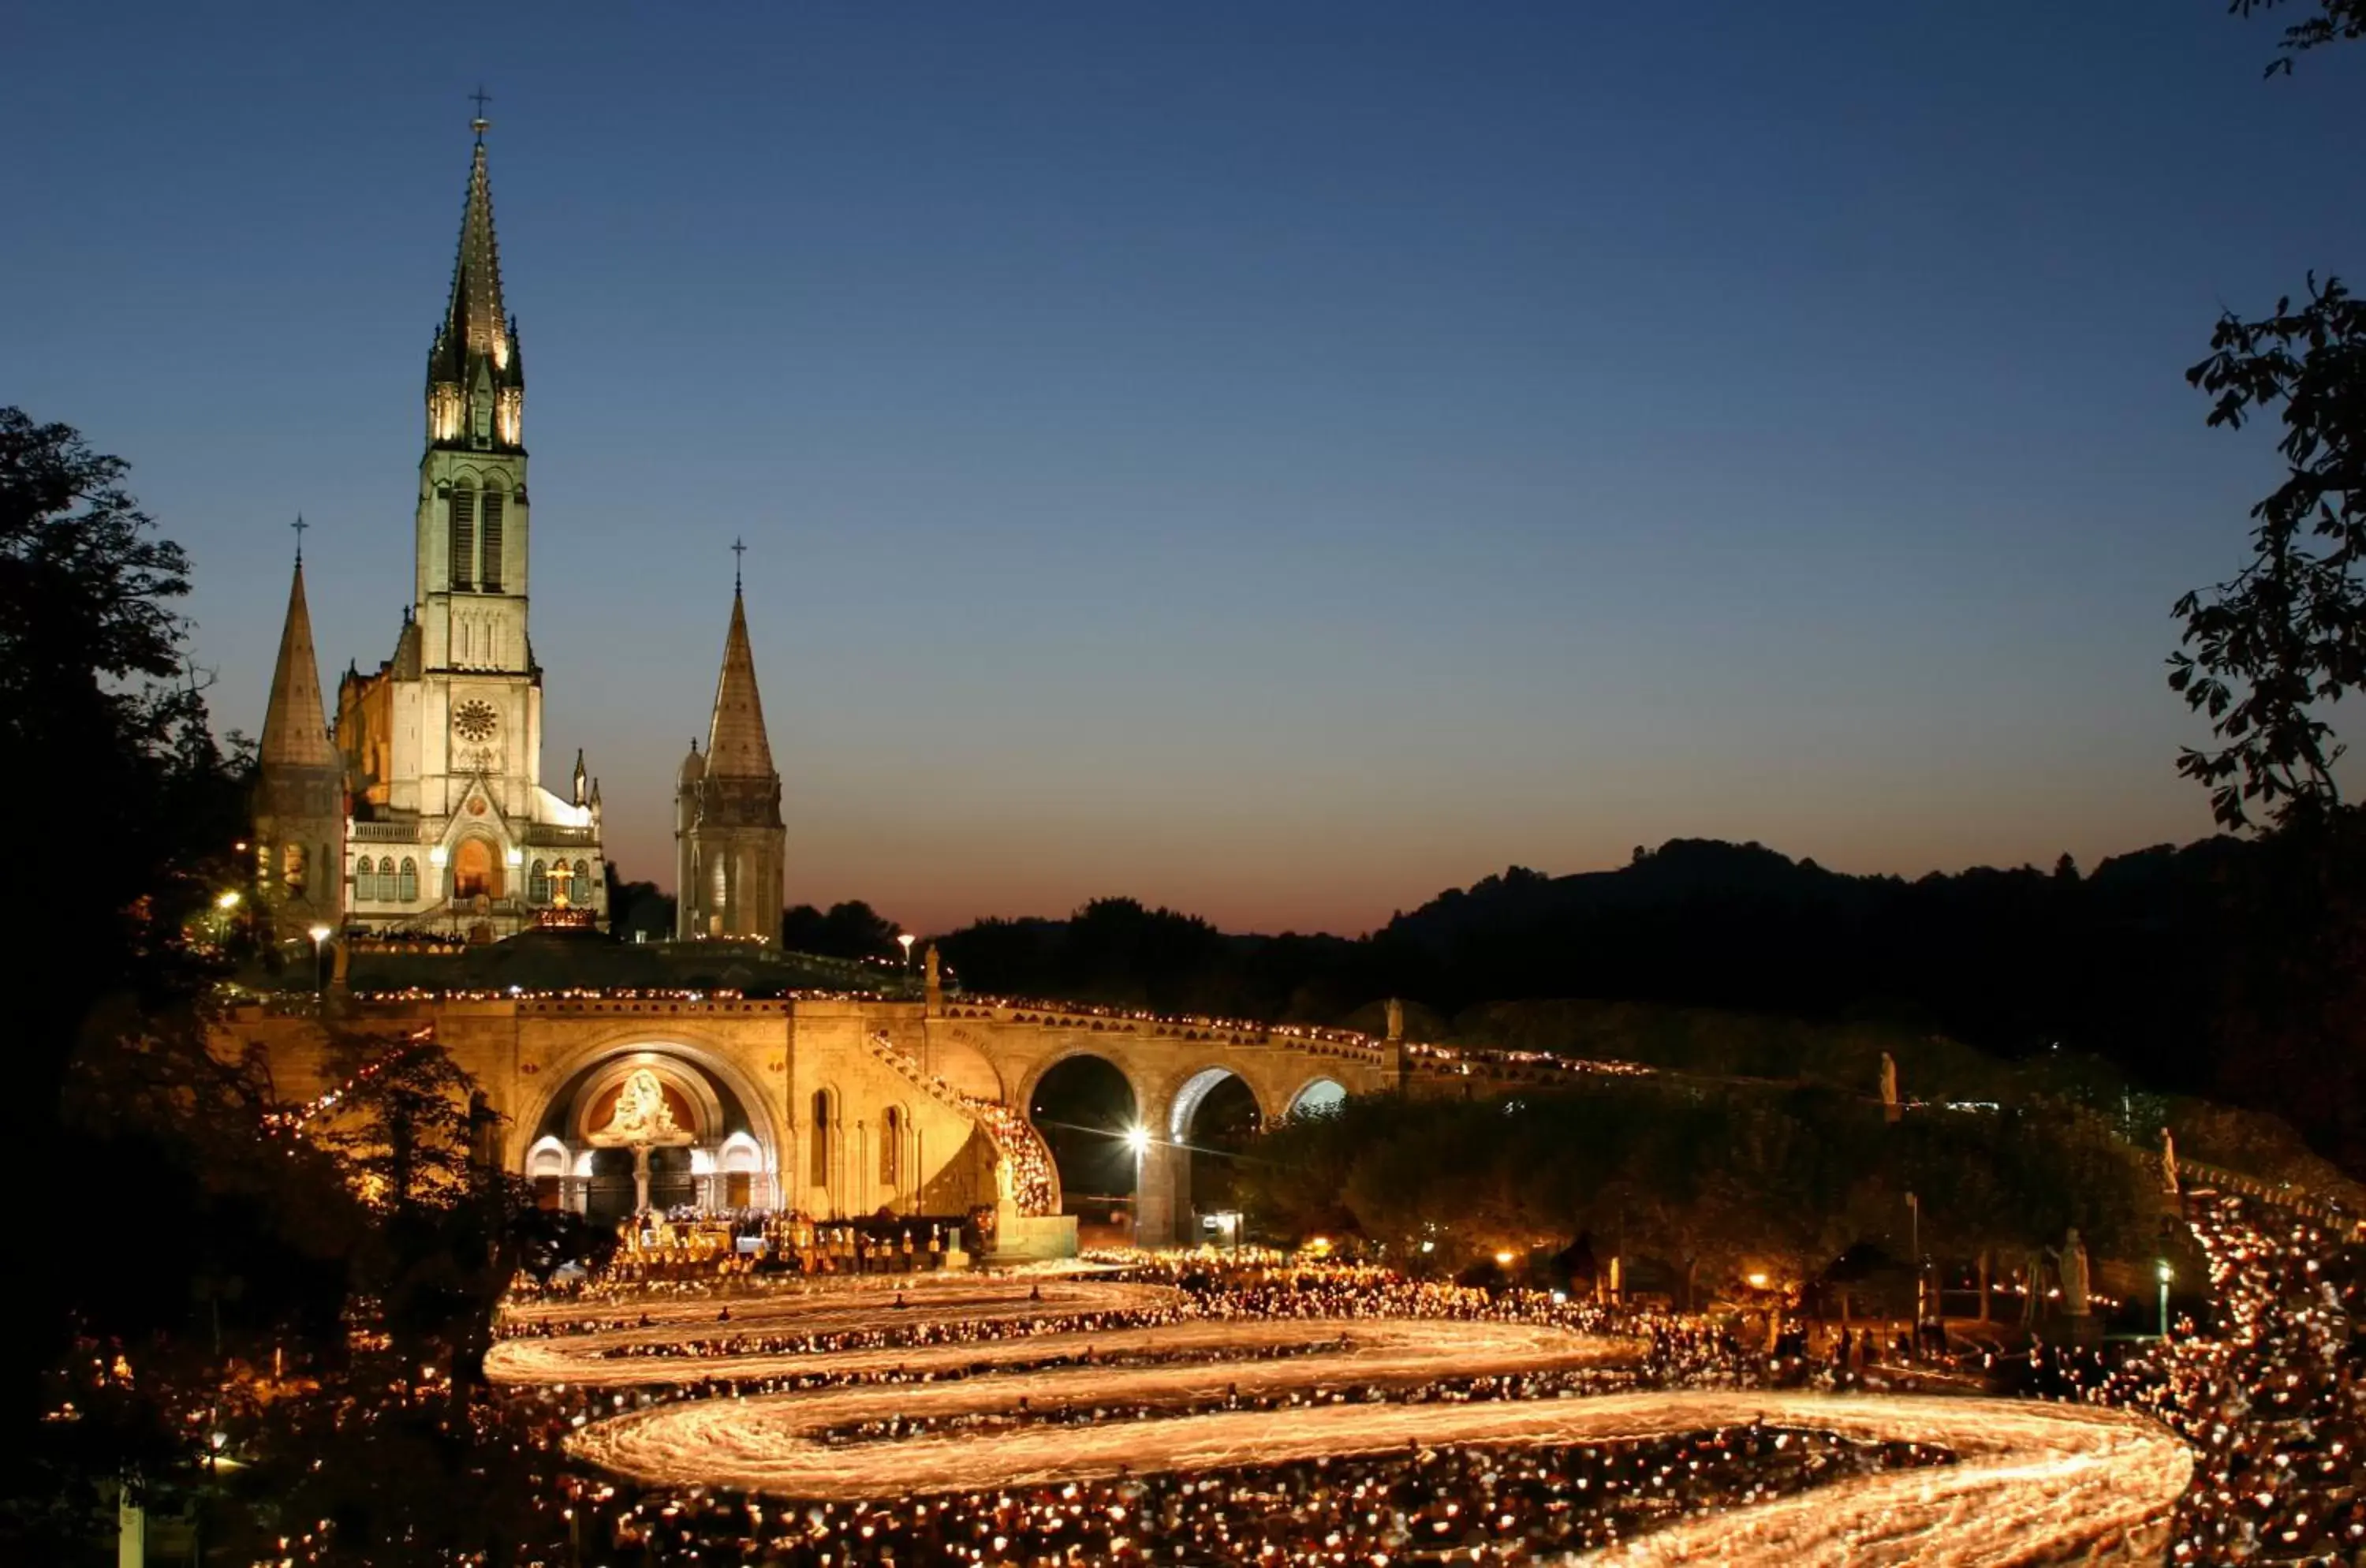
{"x": 2286, "y": 636}
{"x": 2335, "y": 20}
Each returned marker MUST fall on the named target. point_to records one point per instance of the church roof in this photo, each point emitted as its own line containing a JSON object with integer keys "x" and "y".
{"x": 474, "y": 327}
{"x": 295, "y": 727}
{"x": 735, "y": 743}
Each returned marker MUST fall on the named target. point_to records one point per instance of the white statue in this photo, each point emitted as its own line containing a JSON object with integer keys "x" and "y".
{"x": 1396, "y": 1019}
{"x": 641, "y": 1115}
{"x": 2075, "y": 1277}
{"x": 1889, "y": 1107}
{"x": 2168, "y": 1162}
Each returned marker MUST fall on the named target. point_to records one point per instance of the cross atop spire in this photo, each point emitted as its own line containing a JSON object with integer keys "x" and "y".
{"x": 480, "y": 124}
{"x": 739, "y": 556}
{"x": 299, "y": 525}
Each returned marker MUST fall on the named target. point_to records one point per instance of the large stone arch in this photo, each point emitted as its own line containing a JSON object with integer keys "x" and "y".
{"x": 1164, "y": 1204}
{"x": 1182, "y": 1092}
{"x": 1028, "y": 1076}
{"x": 1039, "y": 1065}
{"x": 696, "y": 1067}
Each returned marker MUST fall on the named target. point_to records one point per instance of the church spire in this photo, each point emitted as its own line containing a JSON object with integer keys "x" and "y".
{"x": 475, "y": 381}
{"x": 295, "y": 727}
{"x": 735, "y": 743}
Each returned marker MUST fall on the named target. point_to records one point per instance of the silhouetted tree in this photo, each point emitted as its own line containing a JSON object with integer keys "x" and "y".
{"x": 2286, "y": 636}
{"x": 96, "y": 699}
{"x": 849, "y": 930}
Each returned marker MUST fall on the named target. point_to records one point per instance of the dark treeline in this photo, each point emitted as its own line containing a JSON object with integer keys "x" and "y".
{"x": 1709, "y": 1185}
{"x": 2228, "y": 967}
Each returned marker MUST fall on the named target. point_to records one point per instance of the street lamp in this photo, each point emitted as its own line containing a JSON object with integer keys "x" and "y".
{"x": 321, "y": 935}
{"x": 1138, "y": 1140}
{"x": 906, "y": 939}
{"x": 2166, "y": 1274}
{"x": 1914, "y": 1205}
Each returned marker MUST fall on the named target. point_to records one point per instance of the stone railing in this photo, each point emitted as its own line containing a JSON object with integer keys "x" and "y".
{"x": 1036, "y": 1178}
{"x": 2284, "y": 1194}
{"x": 1344, "y": 1043}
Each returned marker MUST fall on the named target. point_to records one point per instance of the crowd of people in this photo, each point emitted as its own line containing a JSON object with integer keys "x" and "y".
{"x": 1528, "y": 1504}
{"x": 2267, "y": 1392}
{"x": 2270, "y": 1391}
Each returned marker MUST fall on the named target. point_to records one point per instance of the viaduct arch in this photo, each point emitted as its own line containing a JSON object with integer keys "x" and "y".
{"x": 836, "y": 1106}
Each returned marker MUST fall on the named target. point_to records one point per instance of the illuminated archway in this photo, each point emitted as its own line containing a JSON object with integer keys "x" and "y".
{"x": 1212, "y": 1113}
{"x": 476, "y": 869}
{"x": 718, "y": 1145}
{"x": 1320, "y": 1097}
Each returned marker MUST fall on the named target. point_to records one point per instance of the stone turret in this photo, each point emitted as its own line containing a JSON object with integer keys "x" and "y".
{"x": 300, "y": 793}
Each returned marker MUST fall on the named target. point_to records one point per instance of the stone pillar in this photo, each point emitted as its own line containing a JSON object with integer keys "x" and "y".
{"x": 1155, "y": 1192}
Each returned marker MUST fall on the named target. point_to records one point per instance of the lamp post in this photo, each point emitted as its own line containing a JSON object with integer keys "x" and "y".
{"x": 906, "y": 939}
{"x": 2166, "y": 1274}
{"x": 1914, "y": 1206}
{"x": 321, "y": 935}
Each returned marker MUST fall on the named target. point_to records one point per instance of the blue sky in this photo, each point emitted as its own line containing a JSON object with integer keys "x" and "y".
{"x": 1277, "y": 461}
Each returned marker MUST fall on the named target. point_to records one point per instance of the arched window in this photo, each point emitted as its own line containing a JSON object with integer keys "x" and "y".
{"x": 579, "y": 892}
{"x": 464, "y": 535}
{"x": 537, "y": 883}
{"x": 891, "y": 1147}
{"x": 364, "y": 881}
{"x": 720, "y": 902}
{"x": 408, "y": 888}
{"x": 817, "y": 1164}
{"x": 489, "y": 523}
{"x": 386, "y": 877}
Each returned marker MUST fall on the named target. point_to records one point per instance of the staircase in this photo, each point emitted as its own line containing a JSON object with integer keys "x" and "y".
{"x": 1019, "y": 1148}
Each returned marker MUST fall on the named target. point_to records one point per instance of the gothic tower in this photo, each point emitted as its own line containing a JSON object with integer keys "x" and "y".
{"x": 300, "y": 793}
{"x": 452, "y": 831}
{"x": 733, "y": 847}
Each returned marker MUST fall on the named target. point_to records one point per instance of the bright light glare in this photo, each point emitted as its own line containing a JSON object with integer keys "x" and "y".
{"x": 1758, "y": 1279}
{"x": 321, "y": 933}
{"x": 2166, "y": 1274}
{"x": 227, "y": 901}
{"x": 1138, "y": 1139}
{"x": 1504, "y": 1260}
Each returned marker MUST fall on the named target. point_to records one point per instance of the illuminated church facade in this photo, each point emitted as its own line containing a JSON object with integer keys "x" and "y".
{"x": 422, "y": 810}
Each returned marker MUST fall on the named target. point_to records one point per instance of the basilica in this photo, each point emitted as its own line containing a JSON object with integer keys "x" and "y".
{"x": 422, "y": 810}
{"x": 425, "y": 884}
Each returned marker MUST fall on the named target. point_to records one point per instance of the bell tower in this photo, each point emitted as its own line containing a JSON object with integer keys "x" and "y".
{"x": 480, "y": 709}
{"x": 472, "y": 498}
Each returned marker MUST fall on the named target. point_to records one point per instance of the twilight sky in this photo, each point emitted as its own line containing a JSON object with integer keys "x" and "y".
{"x": 1277, "y": 461}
